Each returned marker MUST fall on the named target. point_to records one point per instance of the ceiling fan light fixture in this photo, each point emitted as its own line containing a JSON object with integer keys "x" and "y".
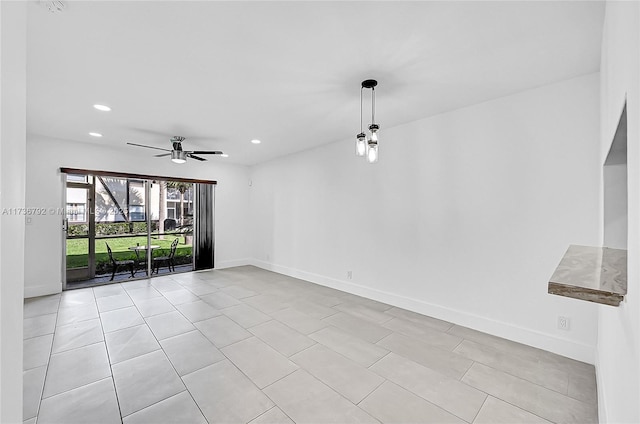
{"x": 178, "y": 156}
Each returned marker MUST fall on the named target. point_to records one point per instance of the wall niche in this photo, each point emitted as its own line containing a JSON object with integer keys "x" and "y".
{"x": 599, "y": 274}
{"x": 615, "y": 188}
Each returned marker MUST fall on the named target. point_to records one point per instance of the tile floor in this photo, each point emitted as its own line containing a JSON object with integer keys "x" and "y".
{"x": 123, "y": 276}
{"x": 244, "y": 345}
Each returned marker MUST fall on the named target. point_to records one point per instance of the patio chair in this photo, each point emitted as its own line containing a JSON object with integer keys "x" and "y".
{"x": 166, "y": 260}
{"x": 117, "y": 264}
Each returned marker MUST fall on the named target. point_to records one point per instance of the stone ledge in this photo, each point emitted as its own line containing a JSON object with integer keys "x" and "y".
{"x": 594, "y": 274}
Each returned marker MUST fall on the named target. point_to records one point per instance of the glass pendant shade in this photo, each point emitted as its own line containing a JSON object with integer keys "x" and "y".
{"x": 372, "y": 152}
{"x": 361, "y": 144}
{"x": 368, "y": 148}
{"x": 374, "y": 132}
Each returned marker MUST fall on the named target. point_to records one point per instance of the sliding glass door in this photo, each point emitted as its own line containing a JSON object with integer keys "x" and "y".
{"x": 120, "y": 227}
{"x": 80, "y": 228}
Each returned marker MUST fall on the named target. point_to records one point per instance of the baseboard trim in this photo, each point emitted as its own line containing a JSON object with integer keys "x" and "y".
{"x": 41, "y": 290}
{"x": 551, "y": 343}
{"x": 602, "y": 403}
{"x": 232, "y": 263}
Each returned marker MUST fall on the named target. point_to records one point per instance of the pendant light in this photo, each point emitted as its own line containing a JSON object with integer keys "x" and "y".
{"x": 361, "y": 143}
{"x": 364, "y": 147}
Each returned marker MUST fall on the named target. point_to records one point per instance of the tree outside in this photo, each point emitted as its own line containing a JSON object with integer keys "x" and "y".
{"x": 182, "y": 188}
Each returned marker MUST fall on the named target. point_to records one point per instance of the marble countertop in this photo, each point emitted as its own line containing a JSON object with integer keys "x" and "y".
{"x": 595, "y": 274}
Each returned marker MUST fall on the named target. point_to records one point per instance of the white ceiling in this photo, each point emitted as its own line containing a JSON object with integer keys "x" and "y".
{"x": 288, "y": 73}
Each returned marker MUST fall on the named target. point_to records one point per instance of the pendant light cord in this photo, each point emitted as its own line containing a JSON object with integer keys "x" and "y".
{"x": 373, "y": 105}
{"x": 361, "y": 88}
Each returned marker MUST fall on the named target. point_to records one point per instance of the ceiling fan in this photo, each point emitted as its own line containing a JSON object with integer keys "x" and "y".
{"x": 177, "y": 154}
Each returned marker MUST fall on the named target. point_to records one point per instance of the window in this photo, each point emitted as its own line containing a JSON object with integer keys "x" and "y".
{"x": 136, "y": 213}
{"x": 76, "y": 212}
{"x": 76, "y": 178}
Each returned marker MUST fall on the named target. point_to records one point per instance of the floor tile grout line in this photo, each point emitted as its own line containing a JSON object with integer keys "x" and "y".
{"x": 521, "y": 408}
{"x": 568, "y": 385}
{"x": 123, "y": 328}
{"x": 219, "y": 350}
{"x": 315, "y": 378}
{"x": 46, "y": 371}
{"x": 168, "y": 360}
{"x": 251, "y": 380}
{"x": 480, "y": 409}
{"x": 456, "y": 346}
{"x": 346, "y": 357}
{"x": 380, "y": 324}
{"x": 527, "y": 381}
{"x": 417, "y": 321}
{"x": 378, "y": 360}
{"x": 569, "y": 373}
{"x": 524, "y": 379}
{"x": 421, "y": 340}
{"x": 275, "y": 405}
{"x": 274, "y": 347}
{"x": 245, "y": 328}
{"x": 78, "y": 347}
{"x": 50, "y": 349}
{"x": 526, "y": 348}
{"x": 384, "y": 380}
{"x": 113, "y": 380}
{"x": 202, "y": 367}
{"x": 298, "y": 352}
{"x": 448, "y": 331}
{"x": 467, "y": 371}
{"x": 420, "y": 395}
{"x": 425, "y": 336}
{"x": 422, "y": 398}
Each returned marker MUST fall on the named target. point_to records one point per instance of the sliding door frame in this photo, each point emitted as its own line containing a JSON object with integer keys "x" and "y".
{"x": 148, "y": 180}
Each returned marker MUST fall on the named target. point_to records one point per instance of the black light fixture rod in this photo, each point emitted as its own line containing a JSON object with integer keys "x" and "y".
{"x": 361, "y": 88}
{"x": 373, "y": 105}
{"x": 370, "y": 83}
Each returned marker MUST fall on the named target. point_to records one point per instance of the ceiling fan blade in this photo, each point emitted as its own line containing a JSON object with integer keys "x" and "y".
{"x": 190, "y": 155}
{"x": 149, "y": 147}
{"x": 162, "y": 155}
{"x": 207, "y": 152}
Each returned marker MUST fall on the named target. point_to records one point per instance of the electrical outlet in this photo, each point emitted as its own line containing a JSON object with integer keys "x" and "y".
{"x": 268, "y": 257}
{"x": 349, "y": 275}
{"x": 564, "y": 323}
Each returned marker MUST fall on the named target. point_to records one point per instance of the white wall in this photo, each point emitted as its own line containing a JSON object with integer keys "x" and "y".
{"x": 615, "y": 205}
{"x": 464, "y": 218}
{"x": 44, "y": 236}
{"x": 618, "y": 362}
{"x": 13, "y": 60}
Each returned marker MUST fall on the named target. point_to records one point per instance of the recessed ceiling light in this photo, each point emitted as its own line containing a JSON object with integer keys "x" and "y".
{"x": 254, "y": 141}
{"x": 224, "y": 155}
{"x": 94, "y": 134}
{"x": 102, "y": 108}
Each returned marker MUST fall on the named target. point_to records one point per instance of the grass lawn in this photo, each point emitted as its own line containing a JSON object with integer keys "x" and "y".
{"x": 77, "y": 249}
